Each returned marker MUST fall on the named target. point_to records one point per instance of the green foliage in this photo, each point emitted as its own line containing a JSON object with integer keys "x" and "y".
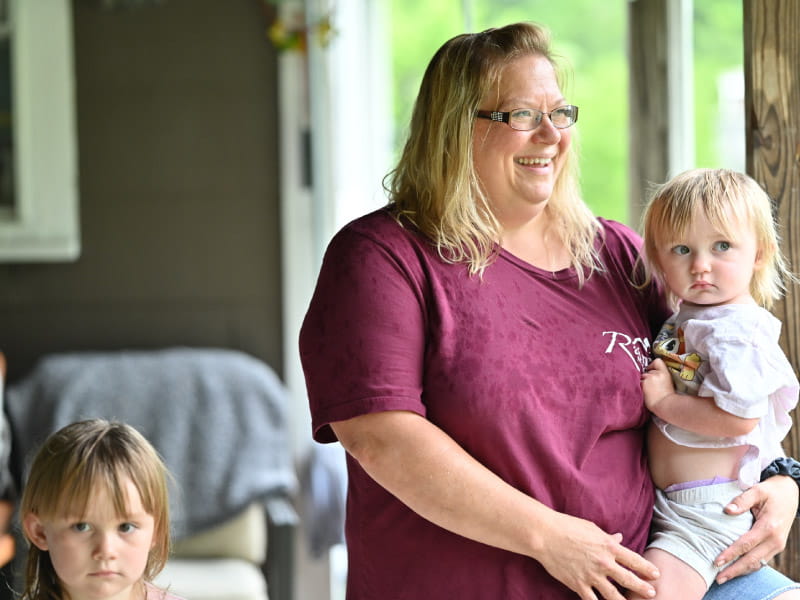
{"x": 591, "y": 37}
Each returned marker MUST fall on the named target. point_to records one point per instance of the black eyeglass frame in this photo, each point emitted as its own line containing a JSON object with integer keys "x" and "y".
{"x": 505, "y": 117}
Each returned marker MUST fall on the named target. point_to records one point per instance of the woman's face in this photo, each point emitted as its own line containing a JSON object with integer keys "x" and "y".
{"x": 518, "y": 169}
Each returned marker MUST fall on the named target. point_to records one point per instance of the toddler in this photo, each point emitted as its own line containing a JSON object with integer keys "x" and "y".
{"x": 720, "y": 388}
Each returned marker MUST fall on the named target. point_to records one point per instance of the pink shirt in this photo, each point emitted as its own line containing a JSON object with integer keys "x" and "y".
{"x": 535, "y": 378}
{"x": 155, "y": 593}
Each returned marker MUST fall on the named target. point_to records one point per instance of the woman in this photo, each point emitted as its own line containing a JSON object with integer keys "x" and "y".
{"x": 477, "y": 346}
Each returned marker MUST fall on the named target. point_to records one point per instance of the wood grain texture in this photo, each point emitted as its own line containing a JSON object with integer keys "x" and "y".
{"x": 772, "y": 104}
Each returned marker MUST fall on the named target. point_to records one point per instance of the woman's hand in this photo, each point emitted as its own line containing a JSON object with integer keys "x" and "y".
{"x": 588, "y": 561}
{"x": 774, "y": 506}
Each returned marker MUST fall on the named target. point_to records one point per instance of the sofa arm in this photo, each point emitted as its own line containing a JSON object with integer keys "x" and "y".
{"x": 244, "y": 537}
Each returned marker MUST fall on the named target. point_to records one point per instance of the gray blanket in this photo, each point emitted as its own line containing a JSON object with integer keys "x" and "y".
{"x": 217, "y": 417}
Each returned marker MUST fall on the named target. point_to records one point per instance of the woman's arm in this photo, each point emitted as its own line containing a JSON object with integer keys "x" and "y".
{"x": 774, "y": 504}
{"x": 426, "y": 470}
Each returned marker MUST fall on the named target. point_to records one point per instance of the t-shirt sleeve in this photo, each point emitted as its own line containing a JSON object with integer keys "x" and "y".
{"x": 739, "y": 382}
{"x": 743, "y": 371}
{"x": 362, "y": 342}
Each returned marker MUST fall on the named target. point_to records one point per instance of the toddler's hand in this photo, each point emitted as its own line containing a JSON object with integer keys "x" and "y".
{"x": 656, "y": 384}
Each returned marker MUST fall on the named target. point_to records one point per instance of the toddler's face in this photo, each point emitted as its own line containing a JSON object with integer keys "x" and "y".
{"x": 708, "y": 267}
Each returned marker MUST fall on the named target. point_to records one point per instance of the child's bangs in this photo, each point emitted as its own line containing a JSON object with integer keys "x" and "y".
{"x": 81, "y": 488}
{"x": 727, "y": 213}
{"x": 724, "y": 211}
{"x": 670, "y": 220}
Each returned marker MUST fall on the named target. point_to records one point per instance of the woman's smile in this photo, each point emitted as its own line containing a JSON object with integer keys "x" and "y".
{"x": 536, "y": 162}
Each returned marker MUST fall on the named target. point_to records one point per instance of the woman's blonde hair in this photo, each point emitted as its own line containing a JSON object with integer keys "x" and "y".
{"x": 435, "y": 185}
{"x": 67, "y": 471}
{"x": 726, "y": 198}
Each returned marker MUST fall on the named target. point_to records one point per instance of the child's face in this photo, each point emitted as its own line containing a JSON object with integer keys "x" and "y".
{"x": 98, "y": 555}
{"x": 705, "y": 266}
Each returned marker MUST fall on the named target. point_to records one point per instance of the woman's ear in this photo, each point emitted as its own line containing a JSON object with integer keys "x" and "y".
{"x": 34, "y": 531}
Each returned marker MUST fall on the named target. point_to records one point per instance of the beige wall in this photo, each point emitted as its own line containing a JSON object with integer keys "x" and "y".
{"x": 178, "y": 167}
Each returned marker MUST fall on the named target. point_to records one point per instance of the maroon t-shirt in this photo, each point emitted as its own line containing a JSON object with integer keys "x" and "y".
{"x": 536, "y": 378}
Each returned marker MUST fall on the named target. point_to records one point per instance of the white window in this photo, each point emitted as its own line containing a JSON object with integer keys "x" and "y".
{"x": 39, "y": 216}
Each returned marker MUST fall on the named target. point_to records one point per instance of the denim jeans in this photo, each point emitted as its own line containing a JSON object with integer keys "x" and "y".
{"x": 764, "y": 584}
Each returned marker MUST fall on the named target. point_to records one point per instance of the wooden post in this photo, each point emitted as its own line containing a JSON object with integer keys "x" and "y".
{"x": 649, "y": 121}
{"x": 772, "y": 105}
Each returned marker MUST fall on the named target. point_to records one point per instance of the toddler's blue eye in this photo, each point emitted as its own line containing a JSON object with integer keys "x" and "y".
{"x": 722, "y": 246}
{"x": 680, "y": 249}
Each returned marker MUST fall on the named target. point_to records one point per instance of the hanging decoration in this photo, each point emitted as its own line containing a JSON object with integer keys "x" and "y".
{"x": 292, "y": 33}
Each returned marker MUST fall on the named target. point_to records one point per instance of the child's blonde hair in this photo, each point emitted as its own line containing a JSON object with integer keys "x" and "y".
{"x": 719, "y": 194}
{"x": 66, "y": 471}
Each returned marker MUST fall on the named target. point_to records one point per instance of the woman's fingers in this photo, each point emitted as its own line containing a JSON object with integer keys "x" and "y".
{"x": 635, "y": 573}
{"x": 774, "y": 512}
{"x": 590, "y": 562}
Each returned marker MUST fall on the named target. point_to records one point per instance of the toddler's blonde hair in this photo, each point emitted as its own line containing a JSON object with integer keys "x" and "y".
{"x": 718, "y": 194}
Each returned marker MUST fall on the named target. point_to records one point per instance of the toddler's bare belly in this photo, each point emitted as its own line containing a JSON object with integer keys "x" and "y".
{"x": 671, "y": 463}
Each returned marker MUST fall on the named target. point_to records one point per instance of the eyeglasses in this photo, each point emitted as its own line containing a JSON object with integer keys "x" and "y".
{"x": 527, "y": 119}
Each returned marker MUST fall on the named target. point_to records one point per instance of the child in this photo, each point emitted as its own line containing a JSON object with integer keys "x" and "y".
{"x": 95, "y": 511}
{"x": 720, "y": 388}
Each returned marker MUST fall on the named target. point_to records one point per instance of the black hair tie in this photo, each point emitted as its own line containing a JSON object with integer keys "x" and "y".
{"x": 784, "y": 465}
